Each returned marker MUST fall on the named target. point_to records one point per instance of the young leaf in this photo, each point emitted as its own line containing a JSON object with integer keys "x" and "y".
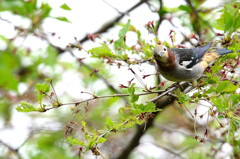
{"x": 235, "y": 99}
{"x": 64, "y": 19}
{"x": 185, "y": 8}
{"x": 83, "y": 123}
{"x": 150, "y": 107}
{"x": 131, "y": 28}
{"x": 118, "y": 43}
{"x": 183, "y": 98}
{"x": 101, "y": 140}
{"x": 228, "y": 21}
{"x": 131, "y": 91}
{"x": 222, "y": 86}
{"x": 65, "y": 7}
{"x": 213, "y": 80}
{"x": 219, "y": 104}
{"x": 236, "y": 24}
{"x": 109, "y": 122}
{"x": 25, "y": 107}
{"x": 40, "y": 97}
{"x": 216, "y": 68}
{"x": 103, "y": 51}
{"x": 219, "y": 24}
{"x": 231, "y": 88}
{"x": 75, "y": 141}
{"x": 43, "y": 88}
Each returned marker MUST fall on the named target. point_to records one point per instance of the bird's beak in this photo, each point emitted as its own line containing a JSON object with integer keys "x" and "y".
{"x": 160, "y": 54}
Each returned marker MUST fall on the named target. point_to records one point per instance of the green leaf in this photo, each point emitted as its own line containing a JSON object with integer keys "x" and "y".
{"x": 103, "y": 51}
{"x": 218, "y": 103}
{"x": 45, "y": 9}
{"x": 83, "y": 123}
{"x": 147, "y": 51}
{"x": 216, "y": 68}
{"x": 74, "y": 141}
{"x": 131, "y": 91}
{"x": 131, "y": 28}
{"x": 118, "y": 43}
{"x": 185, "y": 8}
{"x": 219, "y": 24}
{"x": 221, "y": 117}
{"x": 222, "y": 86}
{"x": 64, "y": 19}
{"x": 162, "y": 11}
{"x": 26, "y": 107}
{"x": 43, "y": 88}
{"x": 109, "y": 122}
{"x": 213, "y": 80}
{"x": 101, "y": 140}
{"x": 183, "y": 98}
{"x": 232, "y": 128}
{"x": 151, "y": 107}
{"x": 65, "y": 7}
{"x": 228, "y": 21}
{"x": 136, "y": 111}
{"x": 235, "y": 99}
{"x": 40, "y": 97}
{"x": 30, "y": 6}
{"x": 230, "y": 56}
{"x": 139, "y": 35}
{"x": 236, "y": 24}
{"x": 210, "y": 90}
{"x": 231, "y": 88}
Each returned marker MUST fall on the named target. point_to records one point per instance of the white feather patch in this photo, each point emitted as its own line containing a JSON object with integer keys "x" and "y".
{"x": 185, "y": 63}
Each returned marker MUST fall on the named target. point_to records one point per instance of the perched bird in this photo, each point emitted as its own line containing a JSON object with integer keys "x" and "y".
{"x": 185, "y": 64}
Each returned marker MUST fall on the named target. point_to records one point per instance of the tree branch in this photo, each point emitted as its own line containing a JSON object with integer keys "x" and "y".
{"x": 15, "y": 151}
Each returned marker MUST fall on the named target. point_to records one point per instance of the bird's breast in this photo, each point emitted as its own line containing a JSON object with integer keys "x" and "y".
{"x": 180, "y": 73}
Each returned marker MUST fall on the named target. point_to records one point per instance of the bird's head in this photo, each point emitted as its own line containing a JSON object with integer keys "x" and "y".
{"x": 161, "y": 54}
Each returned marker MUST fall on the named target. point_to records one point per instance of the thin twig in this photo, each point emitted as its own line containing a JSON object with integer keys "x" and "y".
{"x": 11, "y": 149}
{"x": 165, "y": 128}
{"x": 115, "y": 95}
{"x": 112, "y": 7}
{"x": 168, "y": 149}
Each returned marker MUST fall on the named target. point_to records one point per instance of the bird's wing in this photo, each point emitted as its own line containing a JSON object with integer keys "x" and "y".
{"x": 185, "y": 57}
{"x": 201, "y": 50}
{"x": 190, "y": 57}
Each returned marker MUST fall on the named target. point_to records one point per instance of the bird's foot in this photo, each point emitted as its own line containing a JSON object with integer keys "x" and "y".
{"x": 191, "y": 87}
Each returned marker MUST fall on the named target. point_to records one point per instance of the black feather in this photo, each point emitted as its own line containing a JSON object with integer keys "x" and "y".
{"x": 184, "y": 55}
{"x": 192, "y": 55}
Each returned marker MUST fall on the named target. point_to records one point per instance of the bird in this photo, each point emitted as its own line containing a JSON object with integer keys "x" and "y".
{"x": 184, "y": 64}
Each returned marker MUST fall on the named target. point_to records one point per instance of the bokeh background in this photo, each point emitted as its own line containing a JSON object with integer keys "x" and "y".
{"x": 34, "y": 35}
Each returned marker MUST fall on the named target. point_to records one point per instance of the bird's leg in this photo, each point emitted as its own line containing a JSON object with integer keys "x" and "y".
{"x": 192, "y": 86}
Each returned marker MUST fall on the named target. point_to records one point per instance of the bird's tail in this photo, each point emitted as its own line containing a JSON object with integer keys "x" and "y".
{"x": 213, "y": 55}
{"x": 223, "y": 51}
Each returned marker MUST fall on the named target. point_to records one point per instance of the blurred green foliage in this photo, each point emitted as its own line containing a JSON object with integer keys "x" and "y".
{"x": 92, "y": 125}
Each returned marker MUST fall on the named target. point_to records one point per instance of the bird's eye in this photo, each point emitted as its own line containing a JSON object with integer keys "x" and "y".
{"x": 164, "y": 49}
{"x": 154, "y": 55}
